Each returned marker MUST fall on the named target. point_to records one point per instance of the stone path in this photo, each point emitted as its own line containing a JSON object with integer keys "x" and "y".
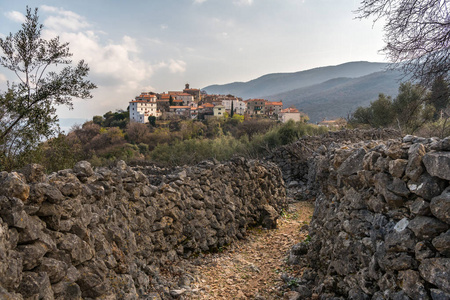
{"x": 251, "y": 269}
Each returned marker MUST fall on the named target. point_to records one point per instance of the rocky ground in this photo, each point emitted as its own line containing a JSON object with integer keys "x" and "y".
{"x": 252, "y": 268}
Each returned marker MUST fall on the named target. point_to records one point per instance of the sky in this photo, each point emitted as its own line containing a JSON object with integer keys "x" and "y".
{"x": 160, "y": 45}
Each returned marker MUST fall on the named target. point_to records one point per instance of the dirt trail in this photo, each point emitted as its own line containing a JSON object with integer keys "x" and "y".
{"x": 251, "y": 269}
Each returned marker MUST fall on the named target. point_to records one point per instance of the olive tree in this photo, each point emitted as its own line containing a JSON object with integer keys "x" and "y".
{"x": 417, "y": 35}
{"x": 46, "y": 78}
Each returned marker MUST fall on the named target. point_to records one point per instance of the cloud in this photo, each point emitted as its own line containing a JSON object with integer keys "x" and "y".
{"x": 199, "y": 1}
{"x": 163, "y": 26}
{"x": 116, "y": 66}
{"x": 243, "y": 2}
{"x": 15, "y": 16}
{"x": 63, "y": 19}
{"x": 2, "y": 78}
{"x": 177, "y": 66}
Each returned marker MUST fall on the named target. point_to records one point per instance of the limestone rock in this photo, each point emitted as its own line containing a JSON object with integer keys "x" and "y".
{"x": 36, "y": 285}
{"x": 269, "y": 217}
{"x": 397, "y": 167}
{"x": 438, "y": 164}
{"x": 33, "y": 173}
{"x": 414, "y": 167}
{"x": 353, "y": 163}
{"x": 412, "y": 285}
{"x": 83, "y": 169}
{"x": 437, "y": 294}
{"x": 440, "y": 206}
{"x": 442, "y": 243}
{"x": 427, "y": 228}
{"x": 55, "y": 269}
{"x": 420, "y": 207}
{"x": 427, "y": 186}
{"x": 12, "y": 185}
{"x": 435, "y": 271}
{"x": 32, "y": 254}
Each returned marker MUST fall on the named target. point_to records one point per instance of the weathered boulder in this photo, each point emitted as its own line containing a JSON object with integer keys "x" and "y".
{"x": 438, "y": 164}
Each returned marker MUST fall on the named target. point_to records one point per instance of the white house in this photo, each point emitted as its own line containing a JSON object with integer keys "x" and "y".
{"x": 290, "y": 113}
{"x": 142, "y": 107}
{"x": 219, "y": 110}
{"x": 239, "y": 107}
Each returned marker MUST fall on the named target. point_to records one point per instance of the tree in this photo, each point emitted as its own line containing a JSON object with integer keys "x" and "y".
{"x": 410, "y": 107}
{"x": 382, "y": 114}
{"x": 46, "y": 79}
{"x": 378, "y": 114}
{"x": 439, "y": 96}
{"x": 417, "y": 35}
{"x": 408, "y": 112}
{"x": 232, "y": 109}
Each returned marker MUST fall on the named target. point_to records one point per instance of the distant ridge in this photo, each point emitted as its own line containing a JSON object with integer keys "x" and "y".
{"x": 282, "y": 82}
{"x": 340, "y": 96}
{"x": 323, "y": 93}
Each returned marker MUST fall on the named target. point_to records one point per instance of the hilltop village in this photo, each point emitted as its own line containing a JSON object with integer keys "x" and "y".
{"x": 193, "y": 104}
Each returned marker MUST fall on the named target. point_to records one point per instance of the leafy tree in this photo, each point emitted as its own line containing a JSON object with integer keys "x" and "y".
{"x": 382, "y": 114}
{"x": 98, "y": 120}
{"x": 408, "y": 111}
{"x": 46, "y": 79}
{"x": 439, "y": 96}
{"x": 362, "y": 115}
{"x": 410, "y": 107}
{"x": 120, "y": 119}
{"x": 417, "y": 34}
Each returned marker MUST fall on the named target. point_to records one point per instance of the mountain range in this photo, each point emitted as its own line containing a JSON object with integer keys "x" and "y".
{"x": 323, "y": 93}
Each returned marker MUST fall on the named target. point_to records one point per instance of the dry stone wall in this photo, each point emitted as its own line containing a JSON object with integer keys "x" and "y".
{"x": 107, "y": 233}
{"x": 294, "y": 159}
{"x": 380, "y": 228}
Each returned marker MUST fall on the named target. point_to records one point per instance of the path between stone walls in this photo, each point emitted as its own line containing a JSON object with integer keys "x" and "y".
{"x": 252, "y": 268}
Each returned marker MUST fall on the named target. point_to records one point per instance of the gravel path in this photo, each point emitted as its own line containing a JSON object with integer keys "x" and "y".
{"x": 251, "y": 269}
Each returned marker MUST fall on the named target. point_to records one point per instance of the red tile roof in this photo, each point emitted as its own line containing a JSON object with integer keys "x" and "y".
{"x": 141, "y": 101}
{"x": 290, "y": 110}
{"x": 175, "y": 107}
{"x": 274, "y": 103}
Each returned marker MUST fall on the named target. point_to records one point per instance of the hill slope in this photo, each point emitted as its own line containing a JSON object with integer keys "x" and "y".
{"x": 282, "y": 82}
{"x": 340, "y": 96}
